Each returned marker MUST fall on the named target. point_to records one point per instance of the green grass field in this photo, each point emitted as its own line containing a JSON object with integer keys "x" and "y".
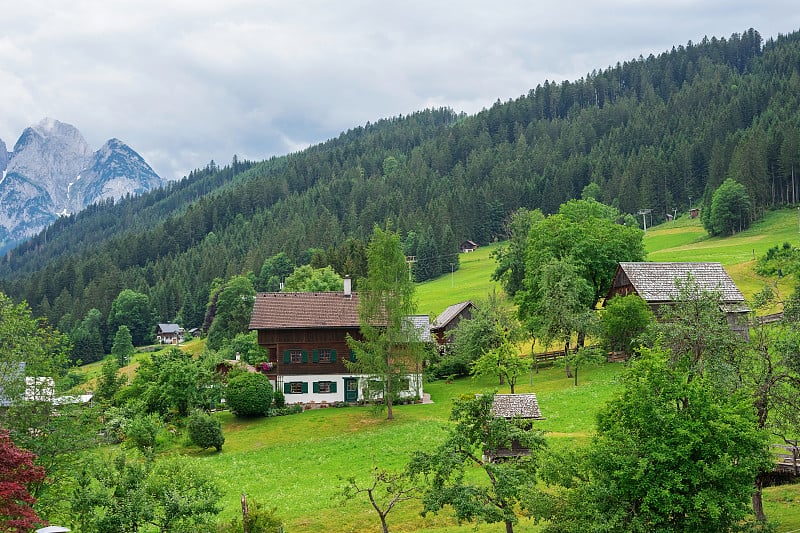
{"x": 295, "y": 463}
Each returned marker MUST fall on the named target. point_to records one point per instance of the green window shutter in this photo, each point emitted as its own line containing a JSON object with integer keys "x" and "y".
{"x": 287, "y": 388}
{"x": 333, "y": 356}
{"x": 316, "y": 387}
{"x": 287, "y": 356}
{"x": 333, "y": 386}
{"x": 352, "y": 356}
{"x": 305, "y": 387}
{"x": 315, "y": 356}
{"x": 305, "y": 356}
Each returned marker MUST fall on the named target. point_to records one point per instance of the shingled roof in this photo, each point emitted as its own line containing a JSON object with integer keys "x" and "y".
{"x": 516, "y": 406}
{"x": 449, "y": 314}
{"x": 304, "y": 310}
{"x": 655, "y": 282}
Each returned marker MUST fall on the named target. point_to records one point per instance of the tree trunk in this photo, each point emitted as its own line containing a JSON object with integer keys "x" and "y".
{"x": 566, "y": 355}
{"x": 384, "y": 525}
{"x": 576, "y": 375}
{"x": 758, "y": 499}
{"x": 509, "y": 527}
{"x": 389, "y": 414}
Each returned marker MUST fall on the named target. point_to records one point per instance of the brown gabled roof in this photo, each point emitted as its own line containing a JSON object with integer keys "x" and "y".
{"x": 516, "y": 406}
{"x": 655, "y": 282}
{"x": 303, "y": 310}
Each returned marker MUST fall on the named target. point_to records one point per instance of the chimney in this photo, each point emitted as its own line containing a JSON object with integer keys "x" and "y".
{"x": 348, "y": 291}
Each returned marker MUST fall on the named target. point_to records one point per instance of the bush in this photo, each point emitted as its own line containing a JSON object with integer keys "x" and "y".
{"x": 279, "y": 399}
{"x": 142, "y": 431}
{"x": 249, "y": 394}
{"x": 259, "y": 519}
{"x": 205, "y": 431}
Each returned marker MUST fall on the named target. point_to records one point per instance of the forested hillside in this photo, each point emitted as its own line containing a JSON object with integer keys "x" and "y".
{"x": 652, "y": 133}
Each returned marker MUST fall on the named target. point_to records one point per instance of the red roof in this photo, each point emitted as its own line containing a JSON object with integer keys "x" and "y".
{"x": 304, "y": 310}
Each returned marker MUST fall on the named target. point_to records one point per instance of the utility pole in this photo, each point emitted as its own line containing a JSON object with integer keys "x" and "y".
{"x": 644, "y": 213}
{"x": 410, "y": 260}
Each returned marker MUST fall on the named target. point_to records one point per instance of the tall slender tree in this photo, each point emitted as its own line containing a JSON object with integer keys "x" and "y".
{"x": 388, "y": 351}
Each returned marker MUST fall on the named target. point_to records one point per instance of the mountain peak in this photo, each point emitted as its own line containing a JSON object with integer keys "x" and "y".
{"x": 40, "y": 178}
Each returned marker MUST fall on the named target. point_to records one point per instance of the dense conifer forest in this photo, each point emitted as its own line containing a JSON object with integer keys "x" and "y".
{"x": 656, "y": 133}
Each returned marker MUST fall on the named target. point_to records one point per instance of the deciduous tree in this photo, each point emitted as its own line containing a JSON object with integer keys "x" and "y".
{"x": 504, "y": 360}
{"x": 390, "y": 349}
{"x": 133, "y": 309}
{"x": 233, "y": 309}
{"x": 671, "y": 454}
{"x": 17, "y": 472}
{"x": 384, "y": 491}
{"x": 475, "y": 431}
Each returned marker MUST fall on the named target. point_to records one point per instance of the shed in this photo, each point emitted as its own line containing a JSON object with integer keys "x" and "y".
{"x": 524, "y": 407}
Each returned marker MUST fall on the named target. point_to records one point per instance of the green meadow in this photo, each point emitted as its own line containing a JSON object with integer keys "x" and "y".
{"x": 296, "y": 463}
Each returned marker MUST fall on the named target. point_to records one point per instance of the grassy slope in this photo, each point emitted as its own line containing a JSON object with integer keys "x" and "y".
{"x": 294, "y": 463}
{"x": 686, "y": 240}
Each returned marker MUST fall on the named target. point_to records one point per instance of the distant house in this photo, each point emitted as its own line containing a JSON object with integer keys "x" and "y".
{"x": 169, "y": 334}
{"x": 468, "y": 246}
{"x": 33, "y": 389}
{"x": 655, "y": 283}
{"x": 523, "y": 407}
{"x": 305, "y": 334}
{"x": 449, "y": 320}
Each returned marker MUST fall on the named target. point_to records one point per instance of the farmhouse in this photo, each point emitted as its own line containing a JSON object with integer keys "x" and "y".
{"x": 468, "y": 246}
{"x": 656, "y": 284}
{"x": 305, "y": 334}
{"x": 449, "y": 320}
{"x": 169, "y": 333}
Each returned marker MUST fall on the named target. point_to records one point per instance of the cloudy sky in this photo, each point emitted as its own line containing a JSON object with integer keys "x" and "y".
{"x": 187, "y": 81}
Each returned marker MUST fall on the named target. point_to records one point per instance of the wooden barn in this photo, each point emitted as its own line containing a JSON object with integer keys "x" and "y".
{"x": 449, "y": 320}
{"x": 656, "y": 284}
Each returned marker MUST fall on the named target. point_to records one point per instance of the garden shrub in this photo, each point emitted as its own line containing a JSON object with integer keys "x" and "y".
{"x": 205, "y": 431}
{"x": 249, "y": 394}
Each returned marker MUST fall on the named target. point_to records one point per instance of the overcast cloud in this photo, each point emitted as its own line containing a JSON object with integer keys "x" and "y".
{"x": 187, "y": 81}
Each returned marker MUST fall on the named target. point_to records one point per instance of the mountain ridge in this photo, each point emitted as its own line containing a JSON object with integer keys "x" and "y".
{"x": 52, "y": 171}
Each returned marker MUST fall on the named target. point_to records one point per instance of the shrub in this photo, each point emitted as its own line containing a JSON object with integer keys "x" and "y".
{"x": 249, "y": 394}
{"x": 142, "y": 431}
{"x": 259, "y": 519}
{"x": 205, "y": 431}
{"x": 279, "y": 399}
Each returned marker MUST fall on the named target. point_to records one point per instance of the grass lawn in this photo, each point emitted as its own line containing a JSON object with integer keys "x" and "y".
{"x": 296, "y": 463}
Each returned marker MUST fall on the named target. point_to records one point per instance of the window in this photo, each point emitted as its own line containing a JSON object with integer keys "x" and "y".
{"x": 323, "y": 355}
{"x": 295, "y": 356}
{"x": 295, "y": 387}
{"x": 325, "y": 387}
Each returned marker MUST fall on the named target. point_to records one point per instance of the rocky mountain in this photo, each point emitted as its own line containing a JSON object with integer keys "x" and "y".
{"x": 52, "y": 171}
